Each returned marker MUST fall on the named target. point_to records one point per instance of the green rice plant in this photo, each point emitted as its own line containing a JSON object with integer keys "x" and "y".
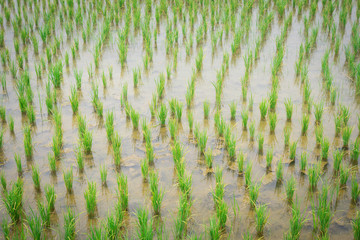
{"x": 74, "y": 100}
{"x": 162, "y": 114}
{"x": 202, "y": 140}
{"x": 333, "y": 95}
{"x": 214, "y": 229}
{"x": 52, "y": 162}
{"x": 263, "y": 108}
{"x": 319, "y": 129}
{"x": 303, "y": 161}
{"x": 136, "y": 76}
{"x": 252, "y": 130}
{"x": 240, "y": 161}
{"x": 221, "y": 213}
{"x": 233, "y": 106}
{"x": 273, "y": 96}
{"x": 34, "y": 223}
{"x": 346, "y": 133}
{"x": 245, "y": 117}
{"x": 325, "y": 145}
{"x": 337, "y": 121}
{"x": 3, "y": 180}
{"x": 319, "y": 110}
{"x": 135, "y": 118}
{"x": 160, "y": 86}
{"x": 12, "y": 200}
{"x": 289, "y": 106}
{"x": 28, "y": 141}
{"x": 322, "y": 215}
{"x": 87, "y": 141}
{"x": 68, "y": 179}
{"x": 69, "y": 224}
{"x": 123, "y": 193}
{"x": 290, "y": 188}
{"x": 18, "y": 163}
{"x": 50, "y": 196}
{"x": 36, "y": 177}
{"x": 280, "y": 171}
{"x": 173, "y": 127}
{"x": 297, "y": 221}
{"x": 356, "y": 225}
{"x": 269, "y": 157}
{"x": 355, "y": 151}
{"x": 179, "y": 108}
{"x": 11, "y": 124}
{"x": 78, "y": 77}
{"x": 254, "y": 193}
{"x": 104, "y": 81}
{"x": 304, "y": 124}
{"x": 90, "y": 198}
{"x": 144, "y": 224}
{"x": 56, "y": 74}
{"x": 199, "y": 60}
{"x": 209, "y": 158}
{"x": 144, "y": 168}
{"x": 45, "y": 213}
{"x": 345, "y": 114}
{"x": 183, "y": 215}
{"x": 5, "y": 229}
{"x": 157, "y": 194}
{"x": 103, "y": 174}
{"x": 273, "y": 120}
{"x": 262, "y": 216}
{"x": 314, "y": 175}
{"x": 344, "y": 174}
{"x": 111, "y": 72}
{"x": 292, "y": 153}
{"x": 355, "y": 191}
{"x": 3, "y": 113}
{"x": 261, "y": 142}
{"x": 206, "y": 109}
{"x": 338, "y": 157}
{"x": 109, "y": 125}
{"x": 190, "y": 120}
{"x": 248, "y": 174}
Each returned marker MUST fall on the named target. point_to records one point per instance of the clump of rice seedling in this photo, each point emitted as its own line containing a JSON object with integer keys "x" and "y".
{"x": 206, "y": 109}
{"x": 18, "y": 163}
{"x": 190, "y": 120}
{"x": 69, "y": 224}
{"x": 13, "y": 200}
{"x": 346, "y": 133}
{"x": 269, "y": 157}
{"x": 319, "y": 129}
{"x": 135, "y": 118}
{"x": 314, "y": 175}
{"x": 289, "y": 106}
{"x": 293, "y": 150}
{"x": 325, "y": 145}
{"x": 136, "y": 76}
{"x": 157, "y": 194}
{"x": 279, "y": 171}
{"x": 144, "y": 224}
{"x": 254, "y": 193}
{"x": 303, "y": 161}
{"x": 202, "y": 140}
{"x": 123, "y": 191}
{"x": 233, "y": 106}
{"x": 45, "y": 213}
{"x": 34, "y": 223}
{"x": 245, "y": 117}
{"x": 87, "y": 141}
{"x": 290, "y": 188}
{"x": 344, "y": 174}
{"x": 173, "y": 127}
{"x": 304, "y": 124}
{"x": 322, "y": 215}
{"x": 74, "y": 100}
{"x": 356, "y": 225}
{"x": 68, "y": 179}
{"x": 144, "y": 168}
{"x": 78, "y": 76}
{"x": 248, "y": 174}
{"x": 36, "y": 177}
{"x": 90, "y": 198}
{"x": 109, "y": 125}
{"x": 103, "y": 174}
{"x": 355, "y": 151}
{"x": 214, "y": 229}
{"x": 221, "y": 213}
{"x": 3, "y": 180}
{"x": 355, "y": 191}
{"x": 209, "y": 158}
{"x": 5, "y": 229}
{"x": 287, "y": 132}
{"x": 50, "y": 196}
{"x": 3, "y": 113}
{"x": 297, "y": 221}
{"x": 273, "y": 120}
{"x": 252, "y": 130}
{"x": 333, "y": 95}
{"x": 319, "y": 110}
{"x": 262, "y": 216}
{"x": 337, "y": 121}
{"x": 11, "y": 124}
{"x": 28, "y": 142}
{"x": 240, "y": 161}
{"x": 261, "y": 142}
{"x": 179, "y": 108}
{"x": 162, "y": 114}
{"x": 338, "y": 157}
{"x": 263, "y": 108}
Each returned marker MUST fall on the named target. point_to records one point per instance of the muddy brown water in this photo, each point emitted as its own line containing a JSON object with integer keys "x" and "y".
{"x": 133, "y": 150}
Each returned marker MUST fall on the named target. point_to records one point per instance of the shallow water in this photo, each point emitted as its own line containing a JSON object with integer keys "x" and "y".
{"x": 271, "y": 193}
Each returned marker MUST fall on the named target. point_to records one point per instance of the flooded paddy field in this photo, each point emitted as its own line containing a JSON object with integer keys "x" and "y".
{"x": 180, "y": 119}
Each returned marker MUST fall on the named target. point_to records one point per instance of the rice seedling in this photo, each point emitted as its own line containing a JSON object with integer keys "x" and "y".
{"x": 69, "y": 224}
{"x": 206, "y": 109}
{"x": 245, "y": 117}
{"x": 103, "y": 174}
{"x": 6, "y": 229}
{"x": 122, "y": 182}
{"x": 18, "y": 163}
{"x": 303, "y": 161}
{"x": 221, "y": 213}
{"x": 136, "y": 76}
{"x": 202, "y": 140}
{"x": 12, "y": 200}
{"x": 355, "y": 191}
{"x": 68, "y": 179}
{"x": 144, "y": 224}
{"x": 263, "y": 108}
{"x": 314, "y": 175}
{"x": 356, "y": 225}
{"x": 214, "y": 229}
{"x": 74, "y": 100}
{"x": 292, "y": 153}
{"x": 135, "y": 118}
{"x": 248, "y": 174}
{"x": 190, "y": 120}
{"x": 262, "y": 216}
{"x": 252, "y": 130}
{"x": 254, "y": 193}
{"x": 325, "y": 145}
{"x": 50, "y": 196}
{"x": 344, "y": 174}
{"x": 233, "y": 106}
{"x": 279, "y": 171}
{"x": 173, "y": 127}
{"x": 3, "y": 180}
{"x": 297, "y": 221}
{"x": 28, "y": 141}
{"x": 260, "y": 142}
{"x": 273, "y": 120}
{"x": 289, "y": 106}
{"x": 36, "y": 177}
{"x": 304, "y": 124}
{"x": 109, "y": 125}
{"x": 144, "y": 168}
{"x": 78, "y": 77}
{"x": 355, "y": 151}
{"x": 290, "y": 188}
{"x": 338, "y": 157}
{"x": 337, "y": 121}
{"x": 322, "y": 215}
{"x": 11, "y": 124}
{"x": 90, "y": 198}
{"x": 209, "y": 158}
{"x": 162, "y": 114}
{"x": 269, "y": 157}
{"x": 240, "y": 161}
{"x": 45, "y": 213}
{"x": 346, "y": 133}
{"x": 34, "y": 223}
{"x": 179, "y": 108}
{"x": 87, "y": 141}
{"x": 319, "y": 110}
{"x": 157, "y": 194}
